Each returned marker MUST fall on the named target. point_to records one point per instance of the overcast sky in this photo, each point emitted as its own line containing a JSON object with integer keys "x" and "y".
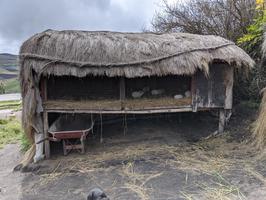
{"x": 22, "y": 18}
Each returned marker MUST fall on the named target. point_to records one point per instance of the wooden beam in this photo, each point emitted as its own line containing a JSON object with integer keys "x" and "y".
{"x": 169, "y": 110}
{"x": 194, "y": 94}
{"x": 222, "y": 120}
{"x": 210, "y": 92}
{"x": 46, "y": 134}
{"x": 122, "y": 85}
{"x": 229, "y": 82}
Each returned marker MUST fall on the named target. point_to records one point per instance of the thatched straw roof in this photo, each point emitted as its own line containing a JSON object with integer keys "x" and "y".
{"x": 80, "y": 53}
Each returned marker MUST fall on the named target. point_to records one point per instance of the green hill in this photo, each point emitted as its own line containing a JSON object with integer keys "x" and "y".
{"x": 7, "y": 59}
{"x": 9, "y": 73}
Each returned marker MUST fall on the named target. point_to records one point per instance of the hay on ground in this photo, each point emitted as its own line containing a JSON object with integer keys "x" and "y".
{"x": 259, "y": 133}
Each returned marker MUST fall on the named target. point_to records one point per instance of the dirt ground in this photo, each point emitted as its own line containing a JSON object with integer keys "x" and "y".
{"x": 10, "y": 182}
{"x": 163, "y": 158}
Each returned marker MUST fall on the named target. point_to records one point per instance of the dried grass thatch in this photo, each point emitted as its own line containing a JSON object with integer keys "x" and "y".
{"x": 81, "y": 53}
{"x": 264, "y": 47}
{"x": 259, "y": 133}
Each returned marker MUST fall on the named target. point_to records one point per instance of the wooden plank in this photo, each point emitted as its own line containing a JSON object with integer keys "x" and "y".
{"x": 210, "y": 91}
{"x": 172, "y": 110}
{"x": 46, "y": 134}
{"x": 222, "y": 120}
{"x": 83, "y": 105}
{"x": 229, "y": 82}
{"x": 122, "y": 89}
{"x": 201, "y": 82}
{"x": 115, "y": 105}
{"x": 218, "y": 84}
{"x": 194, "y": 94}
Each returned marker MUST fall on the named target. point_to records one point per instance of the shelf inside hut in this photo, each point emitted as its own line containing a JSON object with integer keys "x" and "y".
{"x": 107, "y": 94}
{"x": 117, "y": 105}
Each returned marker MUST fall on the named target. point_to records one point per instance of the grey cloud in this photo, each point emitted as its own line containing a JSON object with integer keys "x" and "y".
{"x": 22, "y": 18}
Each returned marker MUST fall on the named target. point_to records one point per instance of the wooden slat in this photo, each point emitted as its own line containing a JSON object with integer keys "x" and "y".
{"x": 194, "y": 94}
{"x": 46, "y": 134}
{"x": 134, "y": 104}
{"x": 229, "y": 82}
{"x": 173, "y": 110}
{"x": 83, "y": 105}
{"x": 122, "y": 88}
{"x": 222, "y": 120}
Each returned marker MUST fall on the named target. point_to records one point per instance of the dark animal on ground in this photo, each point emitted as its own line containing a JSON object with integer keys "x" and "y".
{"x": 97, "y": 194}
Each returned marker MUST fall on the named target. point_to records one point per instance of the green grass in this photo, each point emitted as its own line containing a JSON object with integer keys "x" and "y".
{"x": 14, "y": 105}
{"x": 12, "y": 86}
{"x": 11, "y": 132}
{"x": 5, "y": 71}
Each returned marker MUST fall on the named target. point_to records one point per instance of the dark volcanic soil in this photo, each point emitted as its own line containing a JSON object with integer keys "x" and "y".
{"x": 162, "y": 158}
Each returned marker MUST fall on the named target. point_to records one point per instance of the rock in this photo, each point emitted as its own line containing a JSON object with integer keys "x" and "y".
{"x": 137, "y": 94}
{"x": 187, "y": 94}
{"x": 157, "y": 92}
{"x": 178, "y": 96}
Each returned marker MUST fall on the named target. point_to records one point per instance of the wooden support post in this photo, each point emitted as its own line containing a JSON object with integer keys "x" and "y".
{"x": 46, "y": 135}
{"x": 229, "y": 82}
{"x": 122, "y": 88}
{"x": 122, "y": 91}
{"x": 222, "y": 120}
{"x": 45, "y": 118}
{"x": 194, "y": 95}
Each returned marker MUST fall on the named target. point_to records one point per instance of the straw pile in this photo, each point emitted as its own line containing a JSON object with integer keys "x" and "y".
{"x": 259, "y": 133}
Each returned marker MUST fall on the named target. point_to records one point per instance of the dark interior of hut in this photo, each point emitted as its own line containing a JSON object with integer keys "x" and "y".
{"x": 88, "y": 88}
{"x": 145, "y": 91}
{"x": 107, "y": 126}
{"x": 104, "y": 93}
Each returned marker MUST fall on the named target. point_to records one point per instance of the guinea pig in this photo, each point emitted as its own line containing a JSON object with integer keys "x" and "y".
{"x": 97, "y": 194}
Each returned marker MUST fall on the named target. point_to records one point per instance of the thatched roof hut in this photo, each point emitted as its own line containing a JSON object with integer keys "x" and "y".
{"x": 128, "y": 55}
